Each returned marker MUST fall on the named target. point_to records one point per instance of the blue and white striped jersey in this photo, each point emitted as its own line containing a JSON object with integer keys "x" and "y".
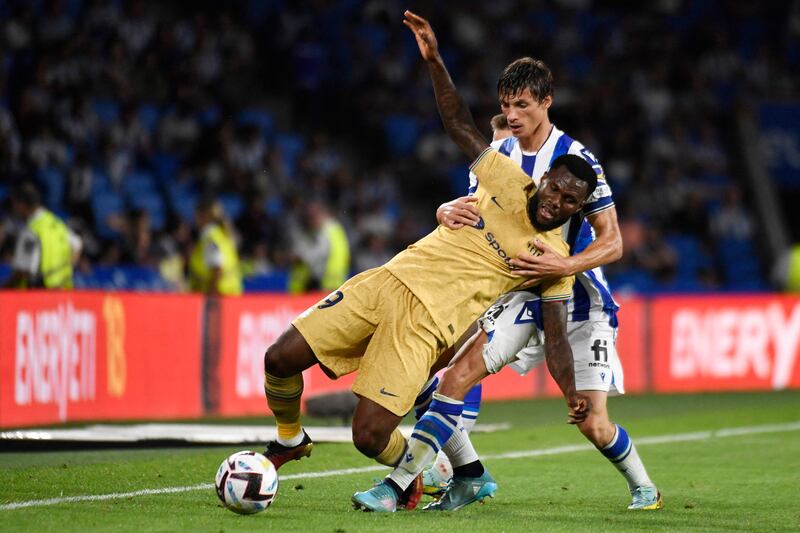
{"x": 591, "y": 297}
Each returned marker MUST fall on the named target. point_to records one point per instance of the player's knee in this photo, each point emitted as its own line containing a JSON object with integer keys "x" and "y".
{"x": 275, "y": 360}
{"x": 369, "y": 437}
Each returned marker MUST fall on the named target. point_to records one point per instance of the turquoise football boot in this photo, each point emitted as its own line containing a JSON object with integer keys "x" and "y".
{"x": 462, "y": 491}
{"x": 646, "y": 499}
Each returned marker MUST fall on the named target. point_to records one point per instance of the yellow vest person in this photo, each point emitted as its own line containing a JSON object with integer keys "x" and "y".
{"x": 44, "y": 251}
{"x": 323, "y": 252}
{"x": 214, "y": 263}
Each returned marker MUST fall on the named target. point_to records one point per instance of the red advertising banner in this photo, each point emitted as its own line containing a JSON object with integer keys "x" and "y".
{"x": 67, "y": 356}
{"x": 712, "y": 343}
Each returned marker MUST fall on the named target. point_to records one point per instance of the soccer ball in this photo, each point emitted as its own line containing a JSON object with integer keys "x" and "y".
{"x": 246, "y": 482}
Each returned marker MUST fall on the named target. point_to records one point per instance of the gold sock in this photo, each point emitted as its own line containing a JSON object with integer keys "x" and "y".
{"x": 393, "y": 452}
{"x": 283, "y": 399}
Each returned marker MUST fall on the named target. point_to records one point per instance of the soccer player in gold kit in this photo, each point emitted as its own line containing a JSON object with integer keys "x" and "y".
{"x": 392, "y": 323}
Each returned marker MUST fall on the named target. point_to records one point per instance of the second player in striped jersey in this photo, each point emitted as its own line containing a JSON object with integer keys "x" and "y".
{"x": 510, "y": 331}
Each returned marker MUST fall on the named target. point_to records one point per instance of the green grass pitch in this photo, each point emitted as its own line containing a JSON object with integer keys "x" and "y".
{"x": 711, "y": 481}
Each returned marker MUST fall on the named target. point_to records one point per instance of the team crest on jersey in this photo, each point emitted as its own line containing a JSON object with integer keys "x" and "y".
{"x": 532, "y": 249}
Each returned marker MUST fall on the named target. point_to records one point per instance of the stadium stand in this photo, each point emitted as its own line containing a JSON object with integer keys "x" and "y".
{"x": 119, "y": 108}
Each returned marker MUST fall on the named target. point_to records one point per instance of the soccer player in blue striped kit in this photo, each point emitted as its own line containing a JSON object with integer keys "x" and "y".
{"x": 509, "y": 332}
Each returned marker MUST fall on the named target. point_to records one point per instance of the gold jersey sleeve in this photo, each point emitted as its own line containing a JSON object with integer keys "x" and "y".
{"x": 457, "y": 274}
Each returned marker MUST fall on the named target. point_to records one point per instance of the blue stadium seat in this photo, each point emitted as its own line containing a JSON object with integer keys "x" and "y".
{"x": 209, "y": 116}
{"x": 739, "y": 261}
{"x": 122, "y": 277}
{"x": 632, "y": 280}
{"x": 692, "y": 256}
{"x": 277, "y": 281}
{"x": 153, "y": 203}
{"x": 402, "y": 133}
{"x": 255, "y": 116}
{"x": 232, "y": 204}
{"x": 149, "y": 115}
{"x": 138, "y": 182}
{"x": 100, "y": 180}
{"x": 107, "y": 110}
{"x": 291, "y": 146}
{"x": 182, "y": 198}
{"x": 53, "y": 184}
{"x": 165, "y": 165}
{"x": 105, "y": 204}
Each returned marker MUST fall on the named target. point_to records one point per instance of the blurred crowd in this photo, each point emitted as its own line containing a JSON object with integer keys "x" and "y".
{"x": 127, "y": 113}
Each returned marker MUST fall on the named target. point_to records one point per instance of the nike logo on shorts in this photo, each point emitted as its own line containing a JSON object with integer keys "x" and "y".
{"x": 387, "y": 393}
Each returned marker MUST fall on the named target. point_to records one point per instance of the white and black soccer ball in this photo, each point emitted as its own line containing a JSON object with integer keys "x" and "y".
{"x": 246, "y": 482}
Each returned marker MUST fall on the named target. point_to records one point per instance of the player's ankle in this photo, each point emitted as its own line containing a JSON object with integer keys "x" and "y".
{"x": 398, "y": 491}
{"x": 473, "y": 469}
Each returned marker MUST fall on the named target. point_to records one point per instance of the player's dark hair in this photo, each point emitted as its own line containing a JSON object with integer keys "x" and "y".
{"x": 578, "y": 167}
{"x": 526, "y": 72}
{"x": 26, "y": 193}
{"x": 499, "y": 122}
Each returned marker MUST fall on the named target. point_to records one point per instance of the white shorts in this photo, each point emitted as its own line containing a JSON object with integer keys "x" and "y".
{"x": 516, "y": 338}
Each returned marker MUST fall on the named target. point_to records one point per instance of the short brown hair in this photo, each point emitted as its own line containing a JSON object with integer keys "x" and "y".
{"x": 499, "y": 122}
{"x": 526, "y": 72}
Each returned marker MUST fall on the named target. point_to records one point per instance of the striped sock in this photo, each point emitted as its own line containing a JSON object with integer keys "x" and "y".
{"x": 458, "y": 451}
{"x": 424, "y": 399}
{"x": 623, "y": 455}
{"x": 283, "y": 399}
{"x": 429, "y": 435}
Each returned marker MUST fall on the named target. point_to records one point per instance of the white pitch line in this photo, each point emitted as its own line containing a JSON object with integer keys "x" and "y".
{"x": 661, "y": 439}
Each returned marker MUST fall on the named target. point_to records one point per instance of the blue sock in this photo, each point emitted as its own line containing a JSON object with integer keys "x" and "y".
{"x": 472, "y": 406}
{"x": 619, "y": 447}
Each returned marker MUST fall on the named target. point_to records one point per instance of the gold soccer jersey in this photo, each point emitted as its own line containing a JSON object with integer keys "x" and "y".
{"x": 457, "y": 274}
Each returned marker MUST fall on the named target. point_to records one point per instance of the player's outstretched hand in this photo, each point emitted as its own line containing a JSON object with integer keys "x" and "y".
{"x": 579, "y": 407}
{"x": 426, "y": 39}
{"x": 538, "y": 267}
{"x": 458, "y": 213}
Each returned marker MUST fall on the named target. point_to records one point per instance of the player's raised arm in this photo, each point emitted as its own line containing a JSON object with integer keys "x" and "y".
{"x": 558, "y": 354}
{"x": 454, "y": 112}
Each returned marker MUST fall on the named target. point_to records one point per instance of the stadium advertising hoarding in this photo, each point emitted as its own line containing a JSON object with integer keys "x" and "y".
{"x": 70, "y": 356}
{"x": 74, "y": 356}
{"x": 715, "y": 343}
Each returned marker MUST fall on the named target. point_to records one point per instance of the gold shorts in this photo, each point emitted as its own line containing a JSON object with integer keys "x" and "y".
{"x": 375, "y": 325}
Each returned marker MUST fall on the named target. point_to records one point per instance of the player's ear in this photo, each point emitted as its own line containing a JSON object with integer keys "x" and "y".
{"x": 547, "y": 102}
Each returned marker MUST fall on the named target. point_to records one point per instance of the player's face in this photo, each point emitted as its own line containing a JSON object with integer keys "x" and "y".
{"x": 560, "y": 195}
{"x": 524, "y": 113}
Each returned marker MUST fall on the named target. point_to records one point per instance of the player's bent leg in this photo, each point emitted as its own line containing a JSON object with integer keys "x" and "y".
{"x": 284, "y": 362}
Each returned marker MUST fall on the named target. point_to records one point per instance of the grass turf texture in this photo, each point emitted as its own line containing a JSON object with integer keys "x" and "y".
{"x": 746, "y": 482}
